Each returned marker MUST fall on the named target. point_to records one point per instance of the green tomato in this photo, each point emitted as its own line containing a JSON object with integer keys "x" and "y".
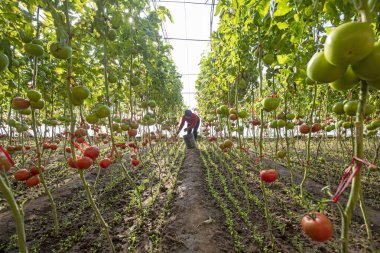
{"x": 33, "y": 95}
{"x": 346, "y": 82}
{"x": 37, "y": 42}
{"x": 273, "y": 124}
{"x": 80, "y": 92}
{"x": 368, "y": 68}
{"x": 60, "y": 51}
{"x": 112, "y": 34}
{"x": 34, "y": 50}
{"x": 320, "y": 70}
{"x": 270, "y": 104}
{"x": 349, "y": 43}
{"x": 92, "y": 119}
{"x": 268, "y": 59}
{"x": 290, "y": 116}
{"x": 289, "y": 125}
{"x": 223, "y": 110}
{"x": 112, "y": 78}
{"x": 4, "y": 62}
{"x": 27, "y": 111}
{"x": 242, "y": 114}
{"x": 338, "y": 108}
{"x": 103, "y": 111}
{"x": 350, "y": 108}
{"x": 281, "y": 123}
{"x": 12, "y": 122}
{"x": 369, "y": 109}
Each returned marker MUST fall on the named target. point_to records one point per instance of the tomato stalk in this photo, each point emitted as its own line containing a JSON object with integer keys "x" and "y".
{"x": 97, "y": 212}
{"x": 267, "y": 213}
{"x": 38, "y": 151}
{"x": 356, "y": 190}
{"x": 16, "y": 210}
{"x": 308, "y": 165}
{"x": 288, "y": 164}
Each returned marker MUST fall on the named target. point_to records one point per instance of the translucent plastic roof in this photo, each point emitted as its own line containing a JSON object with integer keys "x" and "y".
{"x": 189, "y": 34}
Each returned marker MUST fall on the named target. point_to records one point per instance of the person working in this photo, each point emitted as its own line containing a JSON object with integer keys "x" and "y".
{"x": 193, "y": 122}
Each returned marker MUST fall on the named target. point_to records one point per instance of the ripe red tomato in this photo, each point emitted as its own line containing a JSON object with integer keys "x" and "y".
{"x": 132, "y": 145}
{"x": 34, "y": 170}
{"x": 4, "y": 162}
{"x": 68, "y": 150}
{"x": 92, "y": 152}
{"x": 71, "y": 162}
{"x": 22, "y": 174}
{"x": 53, "y": 146}
{"x": 105, "y": 163}
{"x": 84, "y": 163}
{"x": 212, "y": 138}
{"x": 80, "y": 132}
{"x": 135, "y": 162}
{"x": 132, "y": 132}
{"x": 27, "y": 147}
{"x": 304, "y": 129}
{"x": 317, "y": 226}
{"x": 316, "y": 127}
{"x": 268, "y": 176}
{"x": 46, "y": 145}
{"x": 20, "y": 103}
{"x": 33, "y": 181}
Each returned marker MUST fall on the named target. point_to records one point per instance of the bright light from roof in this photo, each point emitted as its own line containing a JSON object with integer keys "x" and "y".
{"x": 191, "y": 21}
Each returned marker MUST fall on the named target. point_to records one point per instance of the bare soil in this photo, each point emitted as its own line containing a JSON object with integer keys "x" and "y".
{"x": 195, "y": 223}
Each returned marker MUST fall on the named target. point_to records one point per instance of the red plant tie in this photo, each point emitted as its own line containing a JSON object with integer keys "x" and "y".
{"x": 348, "y": 176}
{"x": 78, "y": 147}
{"x": 7, "y": 156}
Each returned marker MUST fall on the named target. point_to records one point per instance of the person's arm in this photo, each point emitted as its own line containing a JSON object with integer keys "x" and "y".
{"x": 181, "y": 125}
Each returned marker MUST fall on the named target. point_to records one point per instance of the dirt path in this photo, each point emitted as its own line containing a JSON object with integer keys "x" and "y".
{"x": 195, "y": 223}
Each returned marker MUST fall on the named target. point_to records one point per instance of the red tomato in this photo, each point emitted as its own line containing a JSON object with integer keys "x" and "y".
{"x": 317, "y": 226}
{"x": 268, "y": 176}
{"x": 212, "y": 138}
{"x": 80, "y": 132}
{"x": 22, "y": 174}
{"x": 4, "y": 162}
{"x": 84, "y": 163}
{"x": 53, "y": 146}
{"x": 135, "y": 162}
{"x": 92, "y": 152}
{"x": 34, "y": 170}
{"x": 105, "y": 163}
{"x": 33, "y": 181}
{"x": 132, "y": 132}
{"x": 304, "y": 129}
{"x": 27, "y": 147}
{"x": 132, "y": 145}
{"x": 46, "y": 145}
{"x": 68, "y": 150}
{"x": 71, "y": 162}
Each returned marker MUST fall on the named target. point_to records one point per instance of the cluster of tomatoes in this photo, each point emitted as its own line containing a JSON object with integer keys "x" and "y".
{"x": 86, "y": 161}
{"x": 30, "y": 177}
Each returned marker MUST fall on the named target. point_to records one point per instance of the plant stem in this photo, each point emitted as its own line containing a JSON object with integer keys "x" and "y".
{"x": 17, "y": 213}
{"x": 305, "y": 175}
{"x": 97, "y": 212}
